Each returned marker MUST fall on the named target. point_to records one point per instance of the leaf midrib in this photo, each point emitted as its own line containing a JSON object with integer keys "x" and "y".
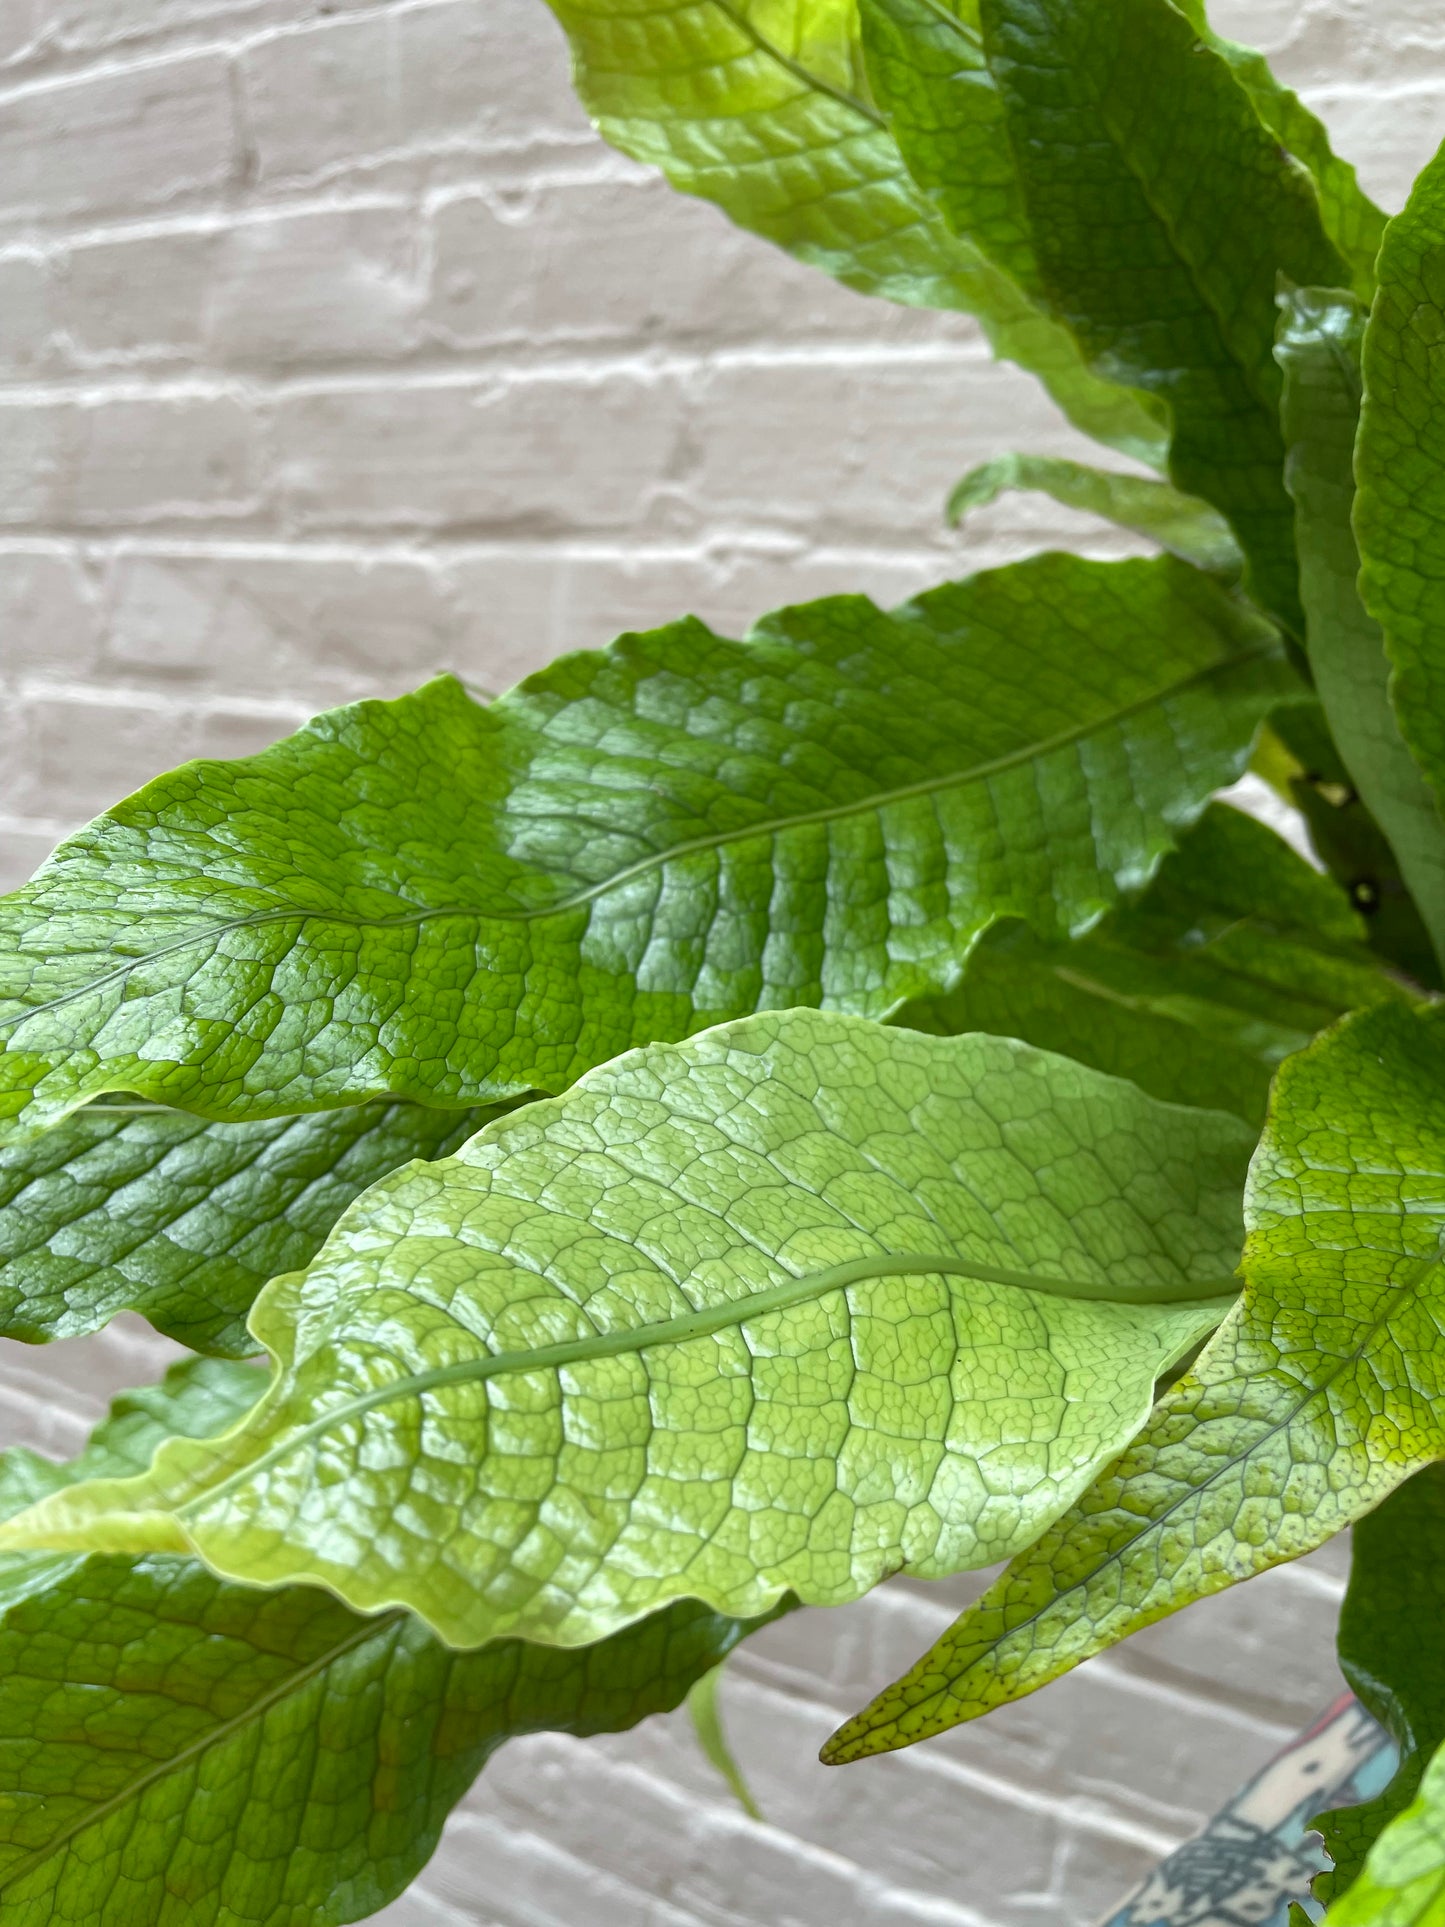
{"x": 804, "y": 75}
{"x": 702, "y": 1323}
{"x": 214, "y": 1736}
{"x": 721, "y": 839}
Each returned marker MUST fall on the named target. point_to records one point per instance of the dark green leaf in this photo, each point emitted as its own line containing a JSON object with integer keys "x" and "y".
{"x": 1162, "y": 214}
{"x": 180, "y": 1752}
{"x": 795, "y": 1305}
{"x": 1309, "y": 771}
{"x": 1400, "y": 467}
{"x": 1233, "y": 958}
{"x": 1321, "y": 1392}
{"x": 1390, "y": 1653}
{"x": 132, "y": 1207}
{"x": 1319, "y": 351}
{"x": 445, "y": 902}
{"x": 926, "y": 63}
{"x": 1351, "y": 219}
{"x": 1403, "y": 1883}
{"x": 765, "y": 109}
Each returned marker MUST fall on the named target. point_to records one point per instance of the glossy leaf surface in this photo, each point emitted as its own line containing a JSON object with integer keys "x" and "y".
{"x": 1235, "y": 956}
{"x": 1163, "y": 214}
{"x": 179, "y": 1752}
{"x": 1180, "y": 523}
{"x": 1320, "y": 1393}
{"x": 130, "y": 1207}
{"x": 763, "y": 107}
{"x": 1351, "y": 219}
{"x": 1390, "y": 1654}
{"x": 446, "y": 902}
{"x": 1400, "y": 466}
{"x": 798, "y": 1304}
{"x": 1319, "y": 352}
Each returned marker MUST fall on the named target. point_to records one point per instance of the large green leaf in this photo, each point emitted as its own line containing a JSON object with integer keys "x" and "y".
{"x": 180, "y": 1752}
{"x": 1400, "y": 467}
{"x": 1322, "y": 1391}
{"x": 1236, "y": 955}
{"x": 1390, "y": 1653}
{"x": 1319, "y": 351}
{"x": 133, "y": 1207}
{"x": 762, "y": 106}
{"x": 926, "y": 62}
{"x": 446, "y": 902}
{"x": 798, "y": 1304}
{"x": 1351, "y": 219}
{"x": 1179, "y": 523}
{"x": 1162, "y": 214}
{"x": 1403, "y": 1884}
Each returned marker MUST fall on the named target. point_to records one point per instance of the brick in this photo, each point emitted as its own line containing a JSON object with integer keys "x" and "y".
{"x": 18, "y": 28}
{"x": 132, "y": 139}
{"x": 32, "y": 457}
{"x": 338, "y": 94}
{"x": 141, "y": 297}
{"x": 325, "y": 285}
{"x": 137, "y": 460}
{"x": 483, "y": 73}
{"x": 516, "y": 609}
{"x": 1164, "y": 1774}
{"x": 1390, "y": 134}
{"x": 324, "y": 629}
{"x": 847, "y": 446}
{"x": 47, "y": 613}
{"x": 1267, "y": 24}
{"x": 549, "y": 451}
{"x": 328, "y": 284}
{"x": 531, "y": 1882}
{"x": 702, "y": 1857}
{"x": 1232, "y": 1645}
{"x": 80, "y": 25}
{"x": 661, "y": 267}
{"x": 23, "y": 848}
{"x": 85, "y": 1378}
{"x": 26, "y": 327}
{"x": 79, "y": 755}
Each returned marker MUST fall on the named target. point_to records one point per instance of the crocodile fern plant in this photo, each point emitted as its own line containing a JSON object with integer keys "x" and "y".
{"x": 729, "y": 1122}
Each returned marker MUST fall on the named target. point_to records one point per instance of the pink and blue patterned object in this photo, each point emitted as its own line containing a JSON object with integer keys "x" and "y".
{"x": 1258, "y": 1856}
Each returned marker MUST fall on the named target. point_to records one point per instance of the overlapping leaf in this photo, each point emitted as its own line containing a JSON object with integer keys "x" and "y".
{"x": 1297, "y": 755}
{"x": 446, "y": 902}
{"x": 1236, "y": 955}
{"x": 798, "y": 1304}
{"x": 1321, "y": 1392}
{"x": 133, "y": 1207}
{"x": 1351, "y": 219}
{"x": 1319, "y": 350}
{"x": 1390, "y": 1653}
{"x": 1403, "y": 1884}
{"x": 180, "y": 1752}
{"x": 1400, "y": 465}
{"x": 1180, "y": 523}
{"x": 763, "y": 107}
{"x": 1162, "y": 214}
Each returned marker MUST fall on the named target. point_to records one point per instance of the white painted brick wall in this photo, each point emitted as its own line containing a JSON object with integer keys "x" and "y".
{"x": 334, "y": 350}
